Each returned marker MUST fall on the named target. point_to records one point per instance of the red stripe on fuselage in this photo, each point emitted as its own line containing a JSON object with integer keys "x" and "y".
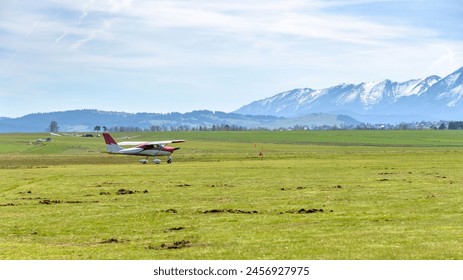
{"x": 147, "y": 147}
{"x": 169, "y": 149}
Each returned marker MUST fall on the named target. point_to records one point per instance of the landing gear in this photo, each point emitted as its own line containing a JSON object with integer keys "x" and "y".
{"x": 155, "y": 160}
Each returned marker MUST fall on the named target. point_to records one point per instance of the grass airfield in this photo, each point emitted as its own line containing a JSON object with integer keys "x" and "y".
{"x": 313, "y": 195}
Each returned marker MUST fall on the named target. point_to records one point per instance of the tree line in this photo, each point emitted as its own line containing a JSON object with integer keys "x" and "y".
{"x": 453, "y": 125}
{"x": 154, "y": 128}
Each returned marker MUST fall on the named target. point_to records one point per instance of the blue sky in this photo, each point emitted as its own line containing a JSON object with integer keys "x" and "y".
{"x": 183, "y": 55}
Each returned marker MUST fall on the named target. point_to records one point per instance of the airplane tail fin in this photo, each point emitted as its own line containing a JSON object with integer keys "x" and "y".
{"x": 111, "y": 144}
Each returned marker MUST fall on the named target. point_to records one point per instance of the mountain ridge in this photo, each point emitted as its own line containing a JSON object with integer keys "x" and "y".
{"x": 87, "y": 119}
{"x": 432, "y": 97}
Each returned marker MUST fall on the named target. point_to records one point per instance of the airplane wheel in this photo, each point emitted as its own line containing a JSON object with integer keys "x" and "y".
{"x": 169, "y": 161}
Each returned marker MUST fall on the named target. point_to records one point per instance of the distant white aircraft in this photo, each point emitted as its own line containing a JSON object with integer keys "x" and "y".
{"x": 148, "y": 149}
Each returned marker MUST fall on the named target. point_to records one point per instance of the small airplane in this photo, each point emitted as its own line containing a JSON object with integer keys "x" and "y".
{"x": 148, "y": 149}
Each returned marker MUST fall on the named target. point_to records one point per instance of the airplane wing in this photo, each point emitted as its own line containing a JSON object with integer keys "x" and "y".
{"x": 165, "y": 142}
{"x": 136, "y": 143}
{"x": 131, "y": 143}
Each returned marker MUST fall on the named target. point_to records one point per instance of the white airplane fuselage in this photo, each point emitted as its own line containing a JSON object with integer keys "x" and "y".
{"x": 144, "y": 152}
{"x": 147, "y": 149}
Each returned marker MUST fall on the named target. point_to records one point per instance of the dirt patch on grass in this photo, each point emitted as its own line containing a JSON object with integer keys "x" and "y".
{"x": 28, "y": 192}
{"x": 232, "y": 211}
{"x": 30, "y": 198}
{"x": 174, "y": 229}
{"x": 172, "y": 211}
{"x": 7, "y": 204}
{"x": 49, "y": 201}
{"x": 80, "y": 201}
{"x": 299, "y": 188}
{"x": 220, "y": 185}
{"x": 111, "y": 241}
{"x": 124, "y": 192}
{"x": 171, "y": 246}
{"x": 307, "y": 211}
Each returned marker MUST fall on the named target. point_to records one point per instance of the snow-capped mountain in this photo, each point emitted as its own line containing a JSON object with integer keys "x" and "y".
{"x": 419, "y": 99}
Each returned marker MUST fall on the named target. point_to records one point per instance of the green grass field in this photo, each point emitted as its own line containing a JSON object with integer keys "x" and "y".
{"x": 314, "y": 195}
